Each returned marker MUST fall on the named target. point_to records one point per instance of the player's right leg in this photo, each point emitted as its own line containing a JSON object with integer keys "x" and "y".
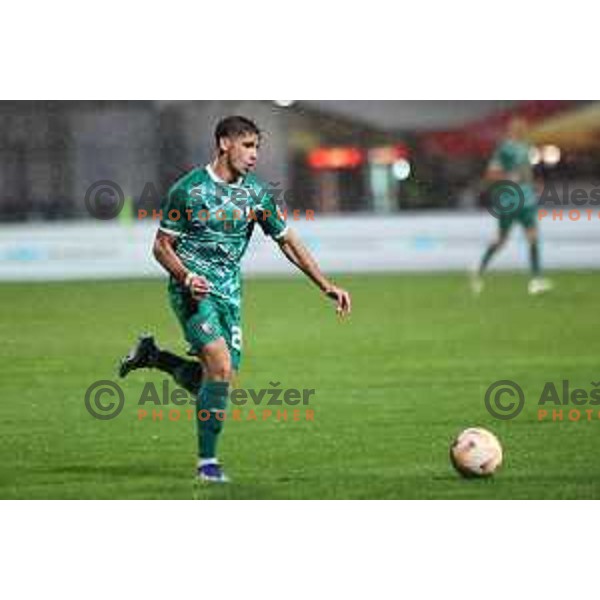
{"x": 492, "y": 248}
{"x": 187, "y": 373}
{"x": 537, "y": 284}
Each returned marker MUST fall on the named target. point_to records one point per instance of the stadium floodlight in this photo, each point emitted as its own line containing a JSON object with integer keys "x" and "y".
{"x": 401, "y": 169}
{"x": 551, "y": 155}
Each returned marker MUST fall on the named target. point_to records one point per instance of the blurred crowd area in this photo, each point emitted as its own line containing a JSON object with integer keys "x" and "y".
{"x": 332, "y": 157}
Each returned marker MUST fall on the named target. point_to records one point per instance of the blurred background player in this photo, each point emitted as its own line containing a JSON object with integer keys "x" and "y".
{"x": 202, "y": 255}
{"x": 511, "y": 162}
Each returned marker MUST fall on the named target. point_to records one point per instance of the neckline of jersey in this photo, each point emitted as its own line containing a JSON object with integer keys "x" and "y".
{"x": 217, "y": 179}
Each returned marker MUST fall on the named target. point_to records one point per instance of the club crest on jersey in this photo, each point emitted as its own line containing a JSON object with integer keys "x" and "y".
{"x": 207, "y": 328}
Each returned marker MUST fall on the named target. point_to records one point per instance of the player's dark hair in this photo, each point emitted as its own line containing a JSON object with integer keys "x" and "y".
{"x": 233, "y": 127}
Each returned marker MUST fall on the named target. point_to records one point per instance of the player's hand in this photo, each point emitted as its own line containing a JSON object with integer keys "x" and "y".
{"x": 198, "y": 286}
{"x": 342, "y": 300}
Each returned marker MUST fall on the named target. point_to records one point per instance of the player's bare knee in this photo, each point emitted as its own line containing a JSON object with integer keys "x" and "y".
{"x": 216, "y": 361}
{"x": 218, "y": 369}
{"x": 532, "y": 236}
{"x": 221, "y": 371}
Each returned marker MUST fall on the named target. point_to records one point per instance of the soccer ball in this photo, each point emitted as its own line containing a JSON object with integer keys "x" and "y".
{"x": 476, "y": 452}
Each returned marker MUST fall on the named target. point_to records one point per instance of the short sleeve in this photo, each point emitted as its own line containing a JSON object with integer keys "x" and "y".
{"x": 271, "y": 218}
{"x": 174, "y": 217}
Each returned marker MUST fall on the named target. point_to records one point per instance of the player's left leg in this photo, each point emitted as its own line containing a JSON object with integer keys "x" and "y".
{"x": 214, "y": 334}
{"x": 537, "y": 284}
{"x": 212, "y": 402}
{"x": 147, "y": 355}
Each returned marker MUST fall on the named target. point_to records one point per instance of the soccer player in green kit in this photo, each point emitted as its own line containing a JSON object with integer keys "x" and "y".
{"x": 511, "y": 163}
{"x": 207, "y": 221}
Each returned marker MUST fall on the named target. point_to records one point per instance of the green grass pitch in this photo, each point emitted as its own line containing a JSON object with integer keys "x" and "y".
{"x": 393, "y": 385}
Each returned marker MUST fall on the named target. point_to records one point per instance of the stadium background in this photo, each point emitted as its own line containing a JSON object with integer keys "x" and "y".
{"x": 395, "y": 187}
{"x": 413, "y": 167}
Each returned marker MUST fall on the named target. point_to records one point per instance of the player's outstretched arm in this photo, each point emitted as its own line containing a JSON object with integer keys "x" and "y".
{"x": 298, "y": 254}
{"x": 164, "y": 252}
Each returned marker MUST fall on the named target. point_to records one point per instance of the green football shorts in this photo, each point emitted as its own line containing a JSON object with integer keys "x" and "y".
{"x": 207, "y": 320}
{"x": 526, "y": 216}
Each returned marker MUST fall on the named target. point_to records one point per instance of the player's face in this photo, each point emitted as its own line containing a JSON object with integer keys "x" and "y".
{"x": 242, "y": 152}
{"x": 517, "y": 129}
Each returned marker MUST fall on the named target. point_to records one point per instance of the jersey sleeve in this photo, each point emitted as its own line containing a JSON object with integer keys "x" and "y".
{"x": 174, "y": 217}
{"x": 271, "y": 218}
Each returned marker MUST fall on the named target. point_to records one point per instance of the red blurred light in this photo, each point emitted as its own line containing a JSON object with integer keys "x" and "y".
{"x": 335, "y": 158}
{"x": 388, "y": 155}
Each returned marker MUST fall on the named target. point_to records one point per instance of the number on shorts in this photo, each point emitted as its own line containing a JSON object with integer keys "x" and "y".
{"x": 236, "y": 338}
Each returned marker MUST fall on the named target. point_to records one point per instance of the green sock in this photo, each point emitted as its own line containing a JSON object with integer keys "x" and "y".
{"x": 212, "y": 401}
{"x": 534, "y": 259}
{"x": 187, "y": 373}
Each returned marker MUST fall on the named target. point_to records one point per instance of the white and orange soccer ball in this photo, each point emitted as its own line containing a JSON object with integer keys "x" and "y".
{"x": 476, "y": 452}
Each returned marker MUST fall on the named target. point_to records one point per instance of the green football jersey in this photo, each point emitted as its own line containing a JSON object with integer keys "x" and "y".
{"x": 214, "y": 221}
{"x": 512, "y": 156}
